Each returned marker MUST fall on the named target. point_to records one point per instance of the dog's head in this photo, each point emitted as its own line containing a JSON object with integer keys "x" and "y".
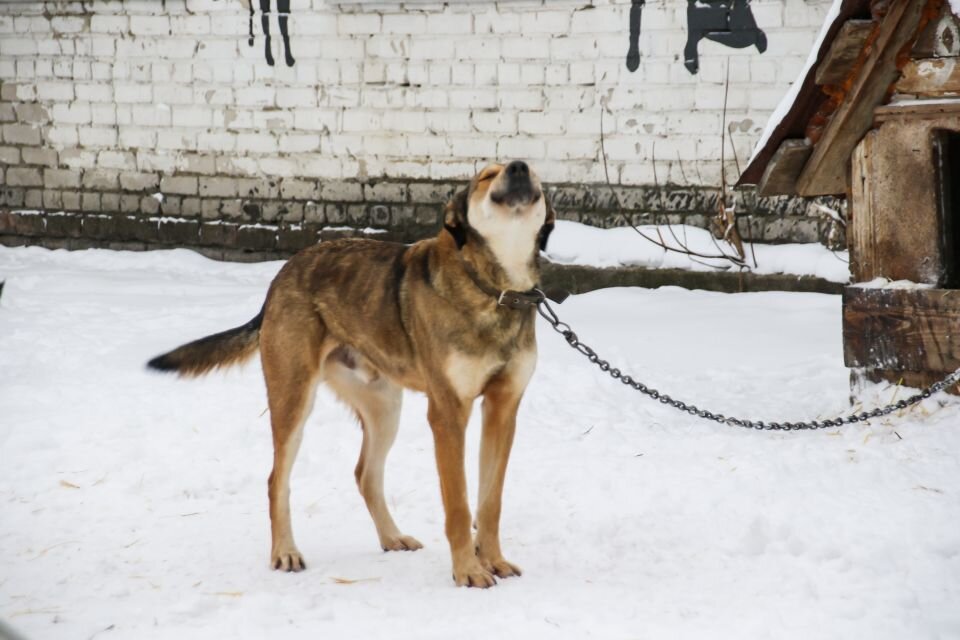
{"x": 505, "y": 206}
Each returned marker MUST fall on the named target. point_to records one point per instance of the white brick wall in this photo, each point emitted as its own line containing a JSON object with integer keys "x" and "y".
{"x": 419, "y": 90}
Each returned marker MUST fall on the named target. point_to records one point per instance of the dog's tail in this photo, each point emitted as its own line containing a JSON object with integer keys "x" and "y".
{"x": 219, "y": 350}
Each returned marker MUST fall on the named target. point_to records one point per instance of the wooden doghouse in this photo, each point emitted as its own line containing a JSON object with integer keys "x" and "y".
{"x": 876, "y": 118}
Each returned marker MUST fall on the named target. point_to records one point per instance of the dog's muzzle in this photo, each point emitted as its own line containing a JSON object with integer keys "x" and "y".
{"x": 518, "y": 190}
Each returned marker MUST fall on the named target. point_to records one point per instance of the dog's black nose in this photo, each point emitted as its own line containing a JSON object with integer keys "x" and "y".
{"x": 517, "y": 169}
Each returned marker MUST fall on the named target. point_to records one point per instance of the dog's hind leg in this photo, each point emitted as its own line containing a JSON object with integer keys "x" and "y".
{"x": 377, "y": 403}
{"x": 290, "y": 348}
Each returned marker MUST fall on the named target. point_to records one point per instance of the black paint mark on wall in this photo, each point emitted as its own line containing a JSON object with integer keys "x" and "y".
{"x": 729, "y": 22}
{"x": 633, "y": 55}
{"x": 283, "y": 15}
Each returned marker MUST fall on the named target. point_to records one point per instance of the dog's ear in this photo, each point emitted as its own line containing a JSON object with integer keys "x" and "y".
{"x": 455, "y": 218}
{"x": 548, "y": 223}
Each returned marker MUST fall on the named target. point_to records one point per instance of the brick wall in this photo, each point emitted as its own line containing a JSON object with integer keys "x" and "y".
{"x": 133, "y": 117}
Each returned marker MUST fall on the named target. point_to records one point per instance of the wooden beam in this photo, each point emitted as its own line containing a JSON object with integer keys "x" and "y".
{"x": 844, "y": 51}
{"x": 902, "y": 329}
{"x": 930, "y": 77}
{"x": 826, "y": 171}
{"x": 780, "y": 176}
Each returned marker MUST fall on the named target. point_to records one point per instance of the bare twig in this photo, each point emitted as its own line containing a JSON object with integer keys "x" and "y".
{"x": 603, "y": 154}
{"x": 337, "y": 580}
{"x": 725, "y": 221}
{"x": 30, "y": 612}
{"x": 836, "y": 222}
{"x": 733, "y": 148}
{"x": 653, "y": 165}
{"x": 681, "y": 246}
{"x": 696, "y": 167}
{"x": 682, "y": 172}
{"x": 723, "y": 139}
{"x": 43, "y": 552}
{"x": 751, "y": 229}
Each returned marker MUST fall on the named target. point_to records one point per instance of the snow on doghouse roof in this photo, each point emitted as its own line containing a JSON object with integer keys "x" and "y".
{"x": 850, "y": 70}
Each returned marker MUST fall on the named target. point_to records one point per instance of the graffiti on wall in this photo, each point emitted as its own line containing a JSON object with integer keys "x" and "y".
{"x": 633, "y": 55}
{"x": 283, "y": 16}
{"x": 728, "y": 22}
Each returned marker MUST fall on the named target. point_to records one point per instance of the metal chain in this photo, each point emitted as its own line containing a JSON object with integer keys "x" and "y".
{"x": 548, "y": 314}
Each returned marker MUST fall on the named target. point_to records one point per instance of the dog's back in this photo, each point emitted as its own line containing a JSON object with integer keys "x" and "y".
{"x": 353, "y": 278}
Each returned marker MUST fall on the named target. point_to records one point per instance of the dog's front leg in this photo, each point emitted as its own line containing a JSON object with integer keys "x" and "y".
{"x": 501, "y": 399}
{"x": 448, "y": 417}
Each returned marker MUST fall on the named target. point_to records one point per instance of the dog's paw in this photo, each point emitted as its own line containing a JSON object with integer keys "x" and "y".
{"x": 287, "y": 560}
{"x": 500, "y": 567}
{"x": 473, "y": 575}
{"x": 401, "y": 543}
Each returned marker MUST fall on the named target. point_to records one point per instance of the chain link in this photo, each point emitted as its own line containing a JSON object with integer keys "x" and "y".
{"x": 548, "y": 314}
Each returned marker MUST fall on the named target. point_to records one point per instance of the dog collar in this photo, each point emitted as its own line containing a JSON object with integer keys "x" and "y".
{"x": 520, "y": 299}
{"x": 507, "y": 297}
{"x": 511, "y": 299}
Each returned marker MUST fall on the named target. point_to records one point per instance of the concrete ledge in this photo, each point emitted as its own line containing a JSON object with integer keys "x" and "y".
{"x": 404, "y": 207}
{"x": 573, "y": 278}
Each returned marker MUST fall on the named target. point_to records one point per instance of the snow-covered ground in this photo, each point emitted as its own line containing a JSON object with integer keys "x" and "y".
{"x": 133, "y": 505}
{"x": 576, "y": 243}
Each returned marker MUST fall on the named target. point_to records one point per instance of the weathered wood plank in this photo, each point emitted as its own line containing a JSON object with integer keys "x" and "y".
{"x": 826, "y": 171}
{"x": 917, "y": 110}
{"x": 844, "y": 51}
{"x": 862, "y": 233}
{"x": 780, "y": 176}
{"x": 895, "y": 228}
{"x": 930, "y": 77}
{"x": 902, "y": 329}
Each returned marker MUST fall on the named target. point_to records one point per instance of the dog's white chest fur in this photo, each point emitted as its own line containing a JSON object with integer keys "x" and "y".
{"x": 512, "y": 238}
{"x": 469, "y": 374}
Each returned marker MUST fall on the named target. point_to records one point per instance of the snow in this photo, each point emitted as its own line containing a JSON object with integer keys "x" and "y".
{"x": 887, "y": 283}
{"x": 786, "y": 103}
{"x": 136, "y": 502}
{"x": 366, "y": 230}
{"x": 575, "y": 243}
{"x": 955, "y": 7}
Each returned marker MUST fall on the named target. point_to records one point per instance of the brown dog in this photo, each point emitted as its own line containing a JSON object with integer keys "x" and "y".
{"x": 370, "y": 318}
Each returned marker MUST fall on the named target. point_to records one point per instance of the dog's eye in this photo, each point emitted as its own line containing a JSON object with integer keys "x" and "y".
{"x": 488, "y": 173}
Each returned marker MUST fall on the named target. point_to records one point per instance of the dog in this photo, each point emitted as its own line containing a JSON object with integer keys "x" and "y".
{"x": 370, "y": 318}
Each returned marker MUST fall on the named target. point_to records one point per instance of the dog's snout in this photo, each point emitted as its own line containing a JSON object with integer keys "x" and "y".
{"x": 518, "y": 169}
{"x": 516, "y": 186}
